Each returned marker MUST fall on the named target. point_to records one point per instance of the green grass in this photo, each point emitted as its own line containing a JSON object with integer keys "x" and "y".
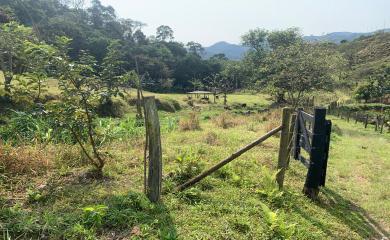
{"x": 63, "y": 203}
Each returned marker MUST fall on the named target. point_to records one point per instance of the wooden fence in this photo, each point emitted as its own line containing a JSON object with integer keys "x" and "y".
{"x": 379, "y": 121}
{"x": 289, "y": 130}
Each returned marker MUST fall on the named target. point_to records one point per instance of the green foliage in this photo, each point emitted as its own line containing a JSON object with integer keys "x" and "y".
{"x": 81, "y": 91}
{"x": 191, "y": 196}
{"x": 378, "y": 85}
{"x": 13, "y": 40}
{"x": 298, "y": 69}
{"x": 269, "y": 189}
{"x": 93, "y": 216}
{"x": 37, "y": 126}
{"x": 364, "y": 107}
{"x": 277, "y": 225}
{"x": 188, "y": 166}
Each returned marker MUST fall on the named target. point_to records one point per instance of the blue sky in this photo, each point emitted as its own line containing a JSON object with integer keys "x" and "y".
{"x": 210, "y": 21}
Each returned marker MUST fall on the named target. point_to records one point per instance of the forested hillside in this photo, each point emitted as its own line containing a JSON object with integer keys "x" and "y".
{"x": 168, "y": 64}
{"x": 366, "y": 55}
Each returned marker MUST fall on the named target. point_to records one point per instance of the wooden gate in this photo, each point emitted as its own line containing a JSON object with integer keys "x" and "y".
{"x": 312, "y": 134}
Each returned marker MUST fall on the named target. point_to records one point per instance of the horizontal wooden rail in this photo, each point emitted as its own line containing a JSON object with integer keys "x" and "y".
{"x": 228, "y": 160}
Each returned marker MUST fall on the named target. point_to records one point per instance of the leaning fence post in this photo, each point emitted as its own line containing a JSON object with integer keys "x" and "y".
{"x": 283, "y": 147}
{"x": 155, "y": 156}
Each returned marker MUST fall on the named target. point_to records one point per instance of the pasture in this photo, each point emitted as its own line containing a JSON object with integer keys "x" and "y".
{"x": 46, "y": 191}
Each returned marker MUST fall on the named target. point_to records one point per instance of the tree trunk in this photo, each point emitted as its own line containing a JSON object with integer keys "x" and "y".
{"x": 7, "y": 84}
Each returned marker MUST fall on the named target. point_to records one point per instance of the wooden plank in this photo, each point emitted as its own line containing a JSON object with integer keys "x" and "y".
{"x": 155, "y": 151}
{"x": 307, "y": 117}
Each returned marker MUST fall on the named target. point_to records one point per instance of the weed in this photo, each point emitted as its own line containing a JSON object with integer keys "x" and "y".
{"x": 34, "y": 195}
{"x": 276, "y": 224}
{"x": 191, "y": 196}
{"x": 269, "y": 188}
{"x": 211, "y": 138}
{"x": 93, "y": 216}
{"x": 273, "y": 119}
{"x": 241, "y": 226}
{"x": 189, "y": 166}
{"x": 225, "y": 120}
{"x": 191, "y": 123}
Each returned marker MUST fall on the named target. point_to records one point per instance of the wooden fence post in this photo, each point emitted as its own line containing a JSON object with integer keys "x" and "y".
{"x": 366, "y": 121}
{"x": 382, "y": 123}
{"x": 283, "y": 146}
{"x": 376, "y": 123}
{"x": 313, "y": 178}
{"x": 155, "y": 156}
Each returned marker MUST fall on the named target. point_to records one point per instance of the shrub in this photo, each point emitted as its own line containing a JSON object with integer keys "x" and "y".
{"x": 112, "y": 108}
{"x": 32, "y": 127}
{"x": 168, "y": 105}
{"x": 191, "y": 123}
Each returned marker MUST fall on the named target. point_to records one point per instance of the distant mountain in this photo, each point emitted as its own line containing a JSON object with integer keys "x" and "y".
{"x": 232, "y": 51}
{"x": 237, "y": 52}
{"x": 337, "y": 37}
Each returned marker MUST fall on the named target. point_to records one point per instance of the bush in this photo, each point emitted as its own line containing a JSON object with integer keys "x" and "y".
{"x": 112, "y": 108}
{"x": 31, "y": 127}
{"x": 168, "y": 105}
{"x": 191, "y": 123}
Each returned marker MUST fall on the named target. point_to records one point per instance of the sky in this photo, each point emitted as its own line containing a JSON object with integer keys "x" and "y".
{"x": 211, "y": 21}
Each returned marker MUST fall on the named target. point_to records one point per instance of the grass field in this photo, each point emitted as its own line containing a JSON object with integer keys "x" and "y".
{"x": 241, "y": 201}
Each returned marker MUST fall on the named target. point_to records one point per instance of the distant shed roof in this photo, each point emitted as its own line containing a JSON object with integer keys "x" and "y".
{"x": 200, "y": 92}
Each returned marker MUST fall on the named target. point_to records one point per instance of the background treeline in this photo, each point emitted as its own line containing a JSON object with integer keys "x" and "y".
{"x": 166, "y": 65}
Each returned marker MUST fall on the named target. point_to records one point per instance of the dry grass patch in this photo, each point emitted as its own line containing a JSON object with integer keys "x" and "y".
{"x": 226, "y": 120}
{"x": 191, "y": 123}
{"x": 26, "y": 160}
{"x": 273, "y": 119}
{"x": 211, "y": 138}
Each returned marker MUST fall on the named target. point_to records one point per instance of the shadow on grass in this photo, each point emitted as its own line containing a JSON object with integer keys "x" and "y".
{"x": 352, "y": 215}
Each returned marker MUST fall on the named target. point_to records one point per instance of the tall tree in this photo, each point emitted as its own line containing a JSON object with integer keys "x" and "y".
{"x": 12, "y": 45}
{"x": 298, "y": 69}
{"x": 113, "y": 69}
{"x": 164, "y": 33}
{"x": 195, "y": 48}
